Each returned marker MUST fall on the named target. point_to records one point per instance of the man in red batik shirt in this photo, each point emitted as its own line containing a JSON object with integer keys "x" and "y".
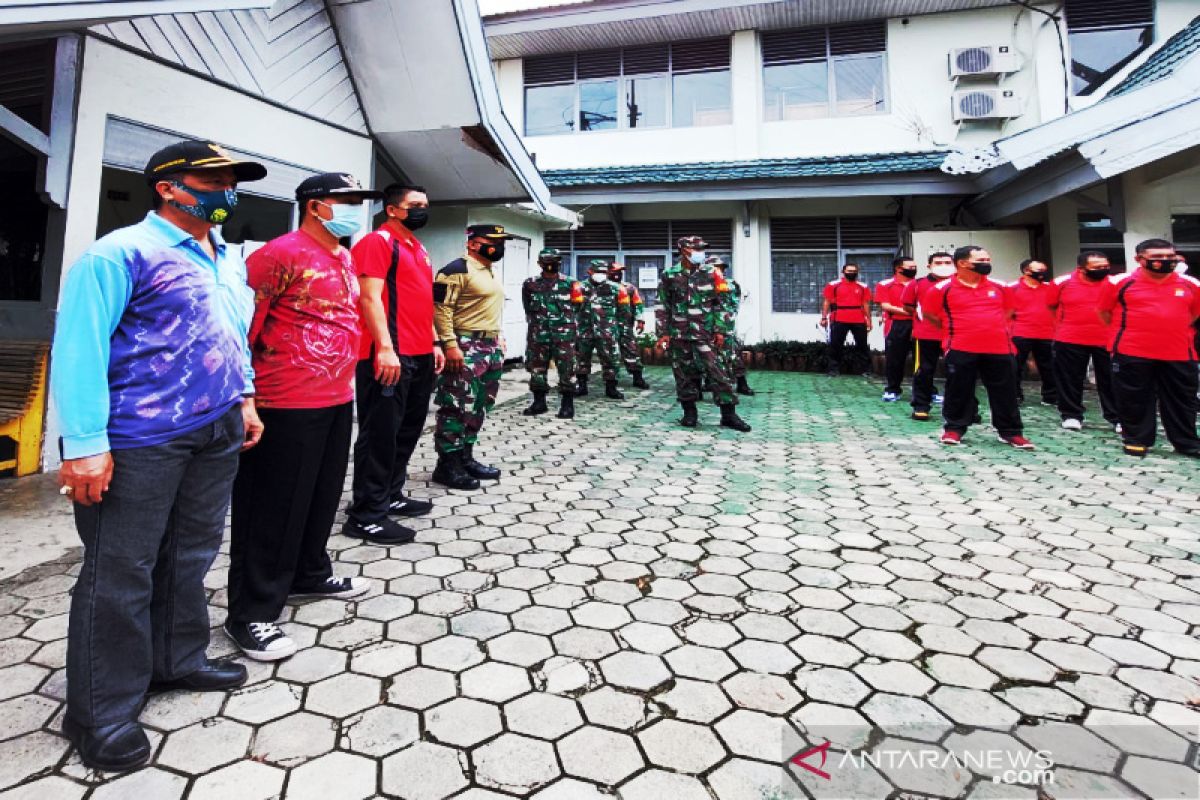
{"x": 846, "y": 309}
{"x": 304, "y": 344}
{"x": 1033, "y": 326}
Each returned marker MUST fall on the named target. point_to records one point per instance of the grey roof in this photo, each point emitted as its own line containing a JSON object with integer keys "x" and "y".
{"x": 716, "y": 171}
{"x": 1163, "y": 62}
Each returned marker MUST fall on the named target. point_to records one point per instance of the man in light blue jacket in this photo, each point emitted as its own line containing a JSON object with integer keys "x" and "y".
{"x": 153, "y": 388}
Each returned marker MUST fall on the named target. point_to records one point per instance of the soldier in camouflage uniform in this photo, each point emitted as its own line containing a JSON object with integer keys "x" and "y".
{"x": 468, "y": 299}
{"x": 599, "y": 329}
{"x": 631, "y": 323}
{"x": 688, "y": 319}
{"x": 552, "y": 305}
{"x": 730, "y": 302}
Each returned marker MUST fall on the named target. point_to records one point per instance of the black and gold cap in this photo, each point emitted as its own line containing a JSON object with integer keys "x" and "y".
{"x": 487, "y": 232}
{"x": 191, "y": 155}
{"x": 333, "y": 184}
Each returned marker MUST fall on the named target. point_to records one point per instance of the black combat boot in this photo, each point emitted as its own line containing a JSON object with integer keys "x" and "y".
{"x": 581, "y": 385}
{"x": 690, "y": 417}
{"x": 538, "y": 406}
{"x": 743, "y": 387}
{"x": 566, "y": 409}
{"x": 730, "y": 419}
{"x": 612, "y": 392}
{"x": 476, "y": 470}
{"x": 638, "y": 381}
{"x": 451, "y": 474}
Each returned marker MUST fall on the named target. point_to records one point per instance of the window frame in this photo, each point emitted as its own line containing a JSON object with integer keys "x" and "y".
{"x": 830, "y": 60}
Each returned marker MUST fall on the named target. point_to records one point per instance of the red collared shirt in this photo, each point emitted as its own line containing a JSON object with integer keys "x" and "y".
{"x": 974, "y": 318}
{"x": 914, "y": 293}
{"x": 847, "y": 299}
{"x": 891, "y": 291}
{"x": 1034, "y": 319}
{"x": 400, "y": 260}
{"x": 1153, "y": 319}
{"x": 1076, "y": 320}
{"x": 304, "y": 335}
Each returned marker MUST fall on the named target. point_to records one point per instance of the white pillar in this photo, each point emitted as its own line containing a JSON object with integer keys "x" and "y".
{"x": 748, "y": 269}
{"x": 746, "y": 84}
{"x": 1147, "y": 212}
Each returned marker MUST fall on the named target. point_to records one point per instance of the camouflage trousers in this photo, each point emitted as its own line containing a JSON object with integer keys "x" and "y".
{"x": 630, "y": 353}
{"x": 606, "y": 349}
{"x": 733, "y": 356}
{"x": 537, "y": 361}
{"x": 694, "y": 361}
{"x": 464, "y": 398}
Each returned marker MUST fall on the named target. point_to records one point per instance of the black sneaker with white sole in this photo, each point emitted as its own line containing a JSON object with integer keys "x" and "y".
{"x": 261, "y": 641}
{"x": 339, "y": 588}
{"x": 384, "y": 531}
{"x": 409, "y": 507}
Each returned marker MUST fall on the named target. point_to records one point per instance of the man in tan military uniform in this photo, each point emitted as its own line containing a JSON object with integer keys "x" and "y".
{"x": 468, "y": 304}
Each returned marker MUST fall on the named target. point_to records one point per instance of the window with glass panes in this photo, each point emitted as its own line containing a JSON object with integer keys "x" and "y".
{"x": 825, "y": 72}
{"x": 1185, "y": 233}
{"x": 648, "y": 86}
{"x": 809, "y": 252}
{"x": 1104, "y": 36}
{"x": 1096, "y": 232}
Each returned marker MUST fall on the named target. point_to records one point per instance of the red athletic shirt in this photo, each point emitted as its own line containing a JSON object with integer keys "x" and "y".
{"x": 1153, "y": 319}
{"x": 407, "y": 289}
{"x": 914, "y": 294}
{"x": 304, "y": 335}
{"x": 1034, "y": 319}
{"x": 848, "y": 297}
{"x": 1076, "y": 320}
{"x": 974, "y": 318}
{"x": 891, "y": 291}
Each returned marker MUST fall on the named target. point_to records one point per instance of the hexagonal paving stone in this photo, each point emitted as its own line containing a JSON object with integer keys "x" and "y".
{"x": 421, "y": 688}
{"x": 545, "y": 716}
{"x": 681, "y": 746}
{"x": 424, "y": 771}
{"x": 340, "y": 775}
{"x": 451, "y": 653}
{"x": 263, "y": 702}
{"x": 770, "y": 693}
{"x": 146, "y": 783}
{"x": 515, "y": 764}
{"x": 703, "y": 663}
{"x": 599, "y": 755}
{"x": 246, "y": 780}
{"x": 759, "y": 656}
{"x": 520, "y": 648}
{"x": 612, "y": 709}
{"x": 636, "y": 671}
{"x": 28, "y": 755}
{"x": 342, "y": 695}
{"x": 380, "y": 731}
{"x": 463, "y": 722}
{"x": 203, "y": 747}
{"x": 294, "y": 739}
{"x": 495, "y": 682}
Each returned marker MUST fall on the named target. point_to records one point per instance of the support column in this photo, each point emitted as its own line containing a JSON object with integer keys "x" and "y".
{"x": 748, "y": 268}
{"x": 1147, "y": 212}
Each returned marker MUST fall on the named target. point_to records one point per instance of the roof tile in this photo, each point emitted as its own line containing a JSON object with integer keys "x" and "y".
{"x": 1162, "y": 63}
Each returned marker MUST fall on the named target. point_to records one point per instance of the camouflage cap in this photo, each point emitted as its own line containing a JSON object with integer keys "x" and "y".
{"x": 549, "y": 254}
{"x": 715, "y": 261}
{"x": 598, "y": 265}
{"x": 691, "y": 243}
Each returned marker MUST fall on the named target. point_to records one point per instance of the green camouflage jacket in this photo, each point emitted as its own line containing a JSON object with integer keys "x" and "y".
{"x": 552, "y": 308}
{"x": 630, "y": 311}
{"x": 691, "y": 302}
{"x": 730, "y": 302}
{"x": 601, "y": 312}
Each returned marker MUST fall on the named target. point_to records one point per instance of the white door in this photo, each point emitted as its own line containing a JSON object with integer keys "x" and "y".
{"x": 515, "y": 268}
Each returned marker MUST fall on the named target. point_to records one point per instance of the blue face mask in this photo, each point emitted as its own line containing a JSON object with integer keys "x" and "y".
{"x": 347, "y": 220}
{"x": 213, "y": 207}
{"x": 697, "y": 257}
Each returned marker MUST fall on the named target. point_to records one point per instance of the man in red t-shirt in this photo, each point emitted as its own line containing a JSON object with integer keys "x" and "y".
{"x": 1033, "y": 326}
{"x": 897, "y": 324}
{"x": 398, "y": 360}
{"x": 1081, "y": 337}
{"x": 928, "y": 336}
{"x": 303, "y": 343}
{"x": 973, "y": 312}
{"x": 1153, "y": 349}
{"x": 846, "y": 309}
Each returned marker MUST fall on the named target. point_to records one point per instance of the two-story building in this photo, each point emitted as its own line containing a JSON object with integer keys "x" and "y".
{"x": 797, "y": 136}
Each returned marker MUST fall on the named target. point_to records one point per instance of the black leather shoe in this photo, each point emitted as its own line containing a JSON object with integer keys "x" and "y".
{"x": 111, "y": 748}
{"x": 639, "y": 382}
{"x": 450, "y": 473}
{"x": 691, "y": 417}
{"x": 612, "y": 392}
{"x": 477, "y": 470}
{"x": 581, "y": 382}
{"x": 538, "y": 406}
{"x": 566, "y": 408}
{"x": 730, "y": 419}
{"x": 215, "y": 676}
{"x": 743, "y": 387}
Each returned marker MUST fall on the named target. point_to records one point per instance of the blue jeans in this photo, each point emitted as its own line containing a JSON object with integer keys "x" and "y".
{"x": 139, "y": 611}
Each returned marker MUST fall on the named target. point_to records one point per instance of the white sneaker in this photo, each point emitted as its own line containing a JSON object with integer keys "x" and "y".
{"x": 1118, "y": 429}
{"x": 261, "y": 641}
{"x": 1072, "y": 424}
{"x": 338, "y": 588}
{"x": 937, "y": 398}
{"x": 890, "y": 397}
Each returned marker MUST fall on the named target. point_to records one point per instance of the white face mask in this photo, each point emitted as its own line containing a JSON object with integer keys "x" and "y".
{"x": 697, "y": 257}
{"x": 943, "y": 272}
{"x": 599, "y": 277}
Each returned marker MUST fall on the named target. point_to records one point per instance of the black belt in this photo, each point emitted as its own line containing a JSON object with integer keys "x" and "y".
{"x": 485, "y": 335}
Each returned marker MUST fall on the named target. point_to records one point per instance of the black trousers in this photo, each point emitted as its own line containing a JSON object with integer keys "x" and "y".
{"x": 1140, "y": 384}
{"x": 999, "y": 377}
{"x": 837, "y": 345}
{"x": 1043, "y": 355}
{"x": 896, "y": 348}
{"x": 1070, "y": 373}
{"x": 929, "y": 351}
{"x": 390, "y": 421}
{"x": 285, "y": 498}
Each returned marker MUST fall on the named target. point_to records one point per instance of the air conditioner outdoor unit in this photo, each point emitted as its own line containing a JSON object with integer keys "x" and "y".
{"x": 986, "y": 103}
{"x": 997, "y": 59}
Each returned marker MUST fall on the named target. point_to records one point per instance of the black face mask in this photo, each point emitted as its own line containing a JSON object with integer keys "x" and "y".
{"x": 981, "y": 267}
{"x": 549, "y": 266}
{"x": 851, "y": 276}
{"x": 1041, "y": 277}
{"x": 1161, "y": 266}
{"x": 492, "y": 252}
{"x": 1096, "y": 274}
{"x": 417, "y": 218}
{"x": 616, "y": 277}
{"x": 909, "y": 273}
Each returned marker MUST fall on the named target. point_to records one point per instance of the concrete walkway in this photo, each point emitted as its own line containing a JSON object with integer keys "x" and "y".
{"x": 641, "y": 611}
